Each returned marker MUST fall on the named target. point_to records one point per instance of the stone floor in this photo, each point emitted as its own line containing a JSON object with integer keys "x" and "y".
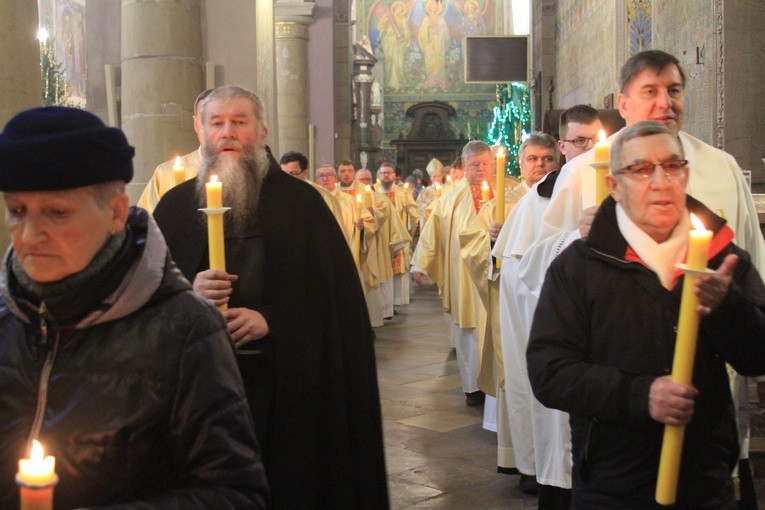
{"x": 437, "y": 453}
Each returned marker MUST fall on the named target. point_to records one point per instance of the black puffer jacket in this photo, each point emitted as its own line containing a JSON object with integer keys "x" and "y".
{"x": 604, "y": 329}
{"x": 133, "y": 386}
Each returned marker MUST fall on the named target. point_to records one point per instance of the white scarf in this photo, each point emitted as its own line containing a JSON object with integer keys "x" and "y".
{"x": 661, "y": 258}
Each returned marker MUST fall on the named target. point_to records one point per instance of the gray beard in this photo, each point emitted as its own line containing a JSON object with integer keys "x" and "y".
{"x": 242, "y": 179}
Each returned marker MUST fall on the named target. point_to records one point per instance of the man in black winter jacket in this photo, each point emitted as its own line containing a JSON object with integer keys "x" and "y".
{"x": 603, "y": 336}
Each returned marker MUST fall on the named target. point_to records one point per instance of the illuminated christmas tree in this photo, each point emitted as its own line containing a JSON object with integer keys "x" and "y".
{"x": 54, "y": 89}
{"x": 512, "y": 121}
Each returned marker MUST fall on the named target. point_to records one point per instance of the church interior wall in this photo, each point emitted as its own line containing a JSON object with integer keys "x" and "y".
{"x": 321, "y": 91}
{"x": 716, "y": 41}
{"x": 585, "y": 52}
{"x": 687, "y": 30}
{"x": 742, "y": 130}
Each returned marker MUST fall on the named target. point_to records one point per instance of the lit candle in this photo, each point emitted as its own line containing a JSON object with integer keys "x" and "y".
{"x": 448, "y": 181}
{"x": 368, "y": 201}
{"x": 36, "y": 478}
{"x": 682, "y": 365}
{"x": 214, "y": 190}
{"x": 602, "y": 149}
{"x": 215, "y": 243}
{"x": 179, "y": 172}
{"x": 499, "y": 194}
{"x": 485, "y": 192}
{"x": 603, "y": 156}
{"x": 438, "y": 189}
{"x": 357, "y": 232}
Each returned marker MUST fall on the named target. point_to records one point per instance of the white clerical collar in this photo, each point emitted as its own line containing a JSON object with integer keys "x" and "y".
{"x": 661, "y": 258}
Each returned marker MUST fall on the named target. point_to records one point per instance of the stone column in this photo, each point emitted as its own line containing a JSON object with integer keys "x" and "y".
{"x": 266, "y": 74}
{"x": 291, "y": 44}
{"x": 162, "y": 74}
{"x": 19, "y": 58}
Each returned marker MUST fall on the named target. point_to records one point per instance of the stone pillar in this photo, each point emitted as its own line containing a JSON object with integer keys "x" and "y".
{"x": 162, "y": 74}
{"x": 291, "y": 44}
{"x": 19, "y": 58}
{"x": 266, "y": 75}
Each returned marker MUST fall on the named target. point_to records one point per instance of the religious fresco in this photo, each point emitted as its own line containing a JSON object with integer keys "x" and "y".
{"x": 639, "y": 25}
{"x": 418, "y": 44}
{"x": 69, "y": 40}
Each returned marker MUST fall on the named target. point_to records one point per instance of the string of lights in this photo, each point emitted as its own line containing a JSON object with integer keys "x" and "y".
{"x": 512, "y": 122}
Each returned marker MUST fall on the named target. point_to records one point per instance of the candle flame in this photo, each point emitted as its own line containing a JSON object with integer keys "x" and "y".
{"x": 438, "y": 186}
{"x": 37, "y": 452}
{"x": 178, "y": 162}
{"x": 485, "y": 185}
{"x": 406, "y": 185}
{"x": 697, "y": 224}
{"x": 501, "y": 152}
{"x": 367, "y": 188}
{"x": 358, "y": 199}
{"x": 602, "y": 136}
{"x": 213, "y": 178}
{"x": 448, "y": 179}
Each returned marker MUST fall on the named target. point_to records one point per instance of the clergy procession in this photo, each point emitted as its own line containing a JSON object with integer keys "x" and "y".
{"x": 243, "y": 328}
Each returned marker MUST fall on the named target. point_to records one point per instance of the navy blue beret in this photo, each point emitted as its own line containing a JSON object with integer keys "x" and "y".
{"x": 57, "y": 148}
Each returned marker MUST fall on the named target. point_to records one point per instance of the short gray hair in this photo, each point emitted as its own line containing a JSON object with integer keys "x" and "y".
{"x": 334, "y": 172}
{"x": 639, "y": 130}
{"x": 473, "y": 148}
{"x": 538, "y": 139}
{"x": 228, "y": 92}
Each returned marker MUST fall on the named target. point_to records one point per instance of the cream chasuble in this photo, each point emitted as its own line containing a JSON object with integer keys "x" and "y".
{"x": 163, "y": 179}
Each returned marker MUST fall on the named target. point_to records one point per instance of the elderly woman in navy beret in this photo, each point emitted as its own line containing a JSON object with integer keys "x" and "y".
{"x": 106, "y": 355}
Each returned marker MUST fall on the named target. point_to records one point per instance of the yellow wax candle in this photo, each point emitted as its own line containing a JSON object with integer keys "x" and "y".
{"x": 36, "y": 478}
{"x": 499, "y": 189}
{"x": 602, "y": 148}
{"x": 215, "y": 238}
{"x": 682, "y": 364}
{"x": 602, "y": 155}
{"x": 179, "y": 172}
{"x": 485, "y": 192}
{"x": 356, "y": 231}
{"x": 368, "y": 201}
{"x": 214, "y": 190}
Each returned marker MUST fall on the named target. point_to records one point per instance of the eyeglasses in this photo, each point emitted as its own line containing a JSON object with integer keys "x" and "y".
{"x": 582, "y": 141}
{"x": 674, "y": 169}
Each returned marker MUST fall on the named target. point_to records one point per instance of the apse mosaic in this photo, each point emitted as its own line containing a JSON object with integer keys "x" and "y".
{"x": 419, "y": 46}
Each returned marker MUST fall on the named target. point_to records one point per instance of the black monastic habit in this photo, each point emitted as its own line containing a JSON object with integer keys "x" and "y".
{"x": 311, "y": 383}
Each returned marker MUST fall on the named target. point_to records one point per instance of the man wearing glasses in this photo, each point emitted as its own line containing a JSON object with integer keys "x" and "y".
{"x": 602, "y": 341}
{"x": 578, "y": 130}
{"x": 652, "y": 88}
